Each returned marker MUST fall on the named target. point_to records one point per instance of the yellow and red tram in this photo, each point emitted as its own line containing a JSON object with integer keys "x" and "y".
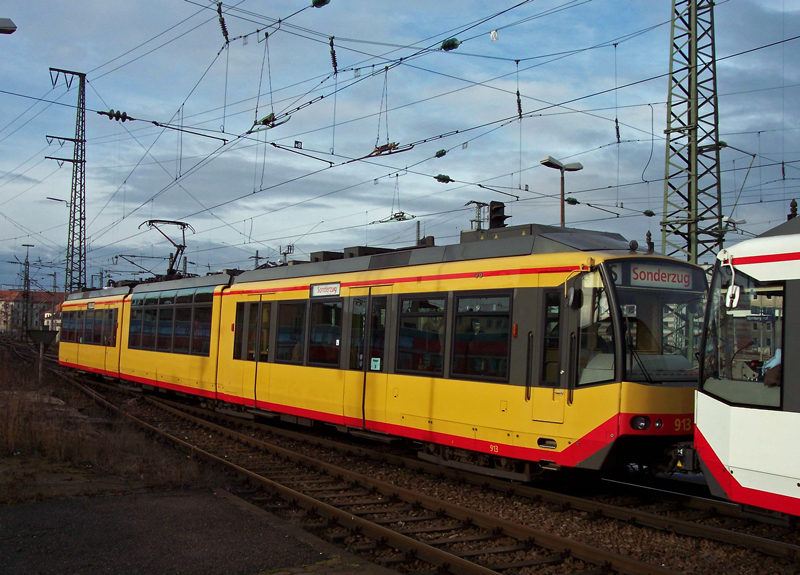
{"x": 518, "y": 349}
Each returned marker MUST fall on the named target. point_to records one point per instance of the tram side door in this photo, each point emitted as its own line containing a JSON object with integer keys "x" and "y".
{"x": 561, "y": 346}
{"x": 366, "y": 380}
{"x": 255, "y": 318}
{"x": 549, "y": 390}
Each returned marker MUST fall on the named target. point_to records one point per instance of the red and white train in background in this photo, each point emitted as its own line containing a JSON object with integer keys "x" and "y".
{"x": 747, "y": 408}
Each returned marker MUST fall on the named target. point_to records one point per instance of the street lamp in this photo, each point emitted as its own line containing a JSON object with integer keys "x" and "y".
{"x": 551, "y": 162}
{"x": 7, "y": 26}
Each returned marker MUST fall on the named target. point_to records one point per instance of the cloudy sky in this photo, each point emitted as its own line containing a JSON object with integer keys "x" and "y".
{"x": 191, "y": 155}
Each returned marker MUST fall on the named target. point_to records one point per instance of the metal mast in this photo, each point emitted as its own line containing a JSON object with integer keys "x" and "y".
{"x": 692, "y": 195}
{"x": 75, "y": 277}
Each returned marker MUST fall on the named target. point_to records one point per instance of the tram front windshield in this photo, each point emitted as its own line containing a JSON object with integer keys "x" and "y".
{"x": 661, "y": 305}
{"x": 742, "y": 354}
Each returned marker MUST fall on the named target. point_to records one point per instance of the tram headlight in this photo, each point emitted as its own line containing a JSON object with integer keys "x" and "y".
{"x": 640, "y": 423}
{"x": 659, "y": 423}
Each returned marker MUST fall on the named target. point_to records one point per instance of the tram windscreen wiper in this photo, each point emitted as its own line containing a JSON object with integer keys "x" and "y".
{"x": 639, "y": 362}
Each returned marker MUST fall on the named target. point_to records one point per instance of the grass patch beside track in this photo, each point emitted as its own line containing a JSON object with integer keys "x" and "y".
{"x": 56, "y": 442}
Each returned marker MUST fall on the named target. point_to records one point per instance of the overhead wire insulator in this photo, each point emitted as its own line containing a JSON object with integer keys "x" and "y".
{"x": 319, "y": 3}
{"x": 441, "y": 153}
{"x": 444, "y": 179}
{"x": 616, "y": 124}
{"x": 572, "y": 201}
{"x": 117, "y": 115}
{"x": 450, "y": 44}
{"x": 519, "y": 105}
{"x": 333, "y": 58}
{"x": 649, "y": 214}
{"x": 222, "y": 23}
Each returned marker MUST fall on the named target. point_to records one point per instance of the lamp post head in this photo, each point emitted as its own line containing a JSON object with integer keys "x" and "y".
{"x": 551, "y": 162}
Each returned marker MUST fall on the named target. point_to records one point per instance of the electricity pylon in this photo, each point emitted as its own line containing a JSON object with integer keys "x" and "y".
{"x": 692, "y": 222}
{"x": 75, "y": 277}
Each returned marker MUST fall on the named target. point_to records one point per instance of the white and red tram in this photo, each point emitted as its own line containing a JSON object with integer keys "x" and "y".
{"x": 747, "y": 408}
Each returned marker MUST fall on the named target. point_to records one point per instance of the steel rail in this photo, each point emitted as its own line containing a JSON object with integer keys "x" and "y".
{"x": 444, "y": 560}
{"x": 596, "y": 509}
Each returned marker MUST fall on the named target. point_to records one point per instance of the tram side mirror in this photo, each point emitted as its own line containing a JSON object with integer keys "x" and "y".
{"x": 732, "y": 297}
{"x": 574, "y": 298}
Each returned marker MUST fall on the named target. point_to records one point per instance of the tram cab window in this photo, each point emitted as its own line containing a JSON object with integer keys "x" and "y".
{"x": 422, "y": 332}
{"x": 742, "y": 360}
{"x": 596, "y": 352}
{"x": 550, "y": 356}
{"x": 660, "y": 304}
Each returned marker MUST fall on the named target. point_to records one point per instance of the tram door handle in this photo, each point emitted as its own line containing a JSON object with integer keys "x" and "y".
{"x": 558, "y": 392}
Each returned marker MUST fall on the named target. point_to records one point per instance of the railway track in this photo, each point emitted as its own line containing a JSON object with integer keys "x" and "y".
{"x": 392, "y": 525}
{"x": 657, "y": 509}
{"x": 318, "y": 483}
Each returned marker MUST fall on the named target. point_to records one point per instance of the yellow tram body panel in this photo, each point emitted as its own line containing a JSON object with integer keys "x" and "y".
{"x": 186, "y": 372}
{"x": 95, "y": 346}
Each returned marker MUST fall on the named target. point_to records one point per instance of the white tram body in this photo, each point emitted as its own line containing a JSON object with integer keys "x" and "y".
{"x": 747, "y": 409}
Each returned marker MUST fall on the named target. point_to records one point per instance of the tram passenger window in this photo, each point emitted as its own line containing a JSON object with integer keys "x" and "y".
{"x": 97, "y": 328}
{"x": 105, "y": 335}
{"x": 164, "y": 340}
{"x": 263, "y": 342}
{"x": 201, "y": 330}
{"x": 596, "y": 352}
{"x": 252, "y": 331}
{"x": 291, "y": 324}
{"x": 204, "y": 295}
{"x": 66, "y": 327}
{"x": 111, "y": 338}
{"x": 135, "y": 330}
{"x": 183, "y": 329}
{"x": 184, "y": 296}
{"x": 422, "y": 332}
{"x": 73, "y": 322}
{"x": 238, "y": 334}
{"x": 326, "y": 333}
{"x": 358, "y": 333}
{"x": 378, "y": 339}
{"x": 481, "y": 338}
{"x": 167, "y": 297}
{"x": 88, "y": 326}
{"x": 64, "y": 330}
{"x": 79, "y": 326}
{"x": 149, "y": 328}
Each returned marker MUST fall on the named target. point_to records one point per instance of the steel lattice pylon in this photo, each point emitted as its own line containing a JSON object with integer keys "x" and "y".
{"x": 75, "y": 276}
{"x": 692, "y": 197}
